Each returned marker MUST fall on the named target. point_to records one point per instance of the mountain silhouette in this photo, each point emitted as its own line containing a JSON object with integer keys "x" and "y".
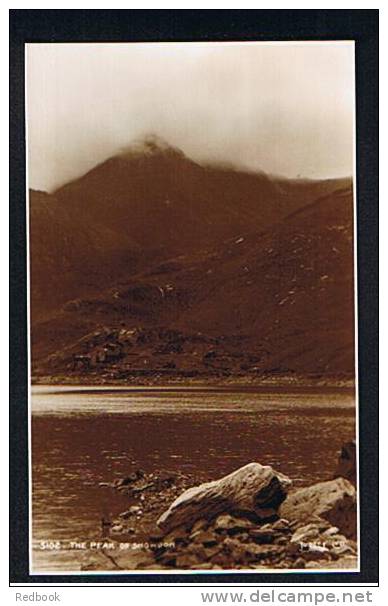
{"x": 208, "y": 270}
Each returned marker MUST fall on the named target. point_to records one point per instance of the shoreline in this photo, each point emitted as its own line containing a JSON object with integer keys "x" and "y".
{"x": 233, "y": 539}
{"x": 185, "y": 384}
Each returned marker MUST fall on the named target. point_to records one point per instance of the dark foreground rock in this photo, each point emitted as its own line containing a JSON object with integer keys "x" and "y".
{"x": 245, "y": 520}
{"x": 230, "y": 542}
{"x": 347, "y": 462}
{"x": 254, "y": 489}
{"x": 334, "y": 501}
{"x": 115, "y": 559}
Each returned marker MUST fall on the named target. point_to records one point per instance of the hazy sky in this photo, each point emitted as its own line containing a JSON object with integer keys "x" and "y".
{"x": 285, "y": 108}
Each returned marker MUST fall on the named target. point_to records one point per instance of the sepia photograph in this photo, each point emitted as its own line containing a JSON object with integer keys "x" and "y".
{"x": 192, "y": 305}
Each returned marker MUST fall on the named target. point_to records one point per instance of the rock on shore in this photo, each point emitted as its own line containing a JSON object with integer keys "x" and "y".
{"x": 230, "y": 542}
{"x": 249, "y": 519}
{"x": 252, "y": 489}
{"x": 334, "y": 501}
{"x": 347, "y": 462}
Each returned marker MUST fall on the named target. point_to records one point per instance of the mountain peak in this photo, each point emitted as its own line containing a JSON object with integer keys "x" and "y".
{"x": 151, "y": 145}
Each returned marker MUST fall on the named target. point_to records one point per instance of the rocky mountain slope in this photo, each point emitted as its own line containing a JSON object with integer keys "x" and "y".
{"x": 154, "y": 266}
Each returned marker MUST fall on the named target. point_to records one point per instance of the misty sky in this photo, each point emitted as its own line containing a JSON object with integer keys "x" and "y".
{"x": 285, "y": 109}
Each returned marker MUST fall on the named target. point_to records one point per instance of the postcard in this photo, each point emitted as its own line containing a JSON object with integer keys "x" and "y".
{"x": 193, "y": 400}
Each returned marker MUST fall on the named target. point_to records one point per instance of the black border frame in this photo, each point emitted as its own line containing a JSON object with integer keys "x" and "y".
{"x": 202, "y": 25}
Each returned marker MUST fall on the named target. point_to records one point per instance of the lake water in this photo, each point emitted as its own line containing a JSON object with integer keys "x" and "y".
{"x": 83, "y": 436}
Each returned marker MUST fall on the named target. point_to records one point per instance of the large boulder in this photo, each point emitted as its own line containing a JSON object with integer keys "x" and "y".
{"x": 334, "y": 501}
{"x": 252, "y": 489}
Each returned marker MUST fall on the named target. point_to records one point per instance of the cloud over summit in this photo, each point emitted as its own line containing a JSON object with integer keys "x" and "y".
{"x": 285, "y": 108}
